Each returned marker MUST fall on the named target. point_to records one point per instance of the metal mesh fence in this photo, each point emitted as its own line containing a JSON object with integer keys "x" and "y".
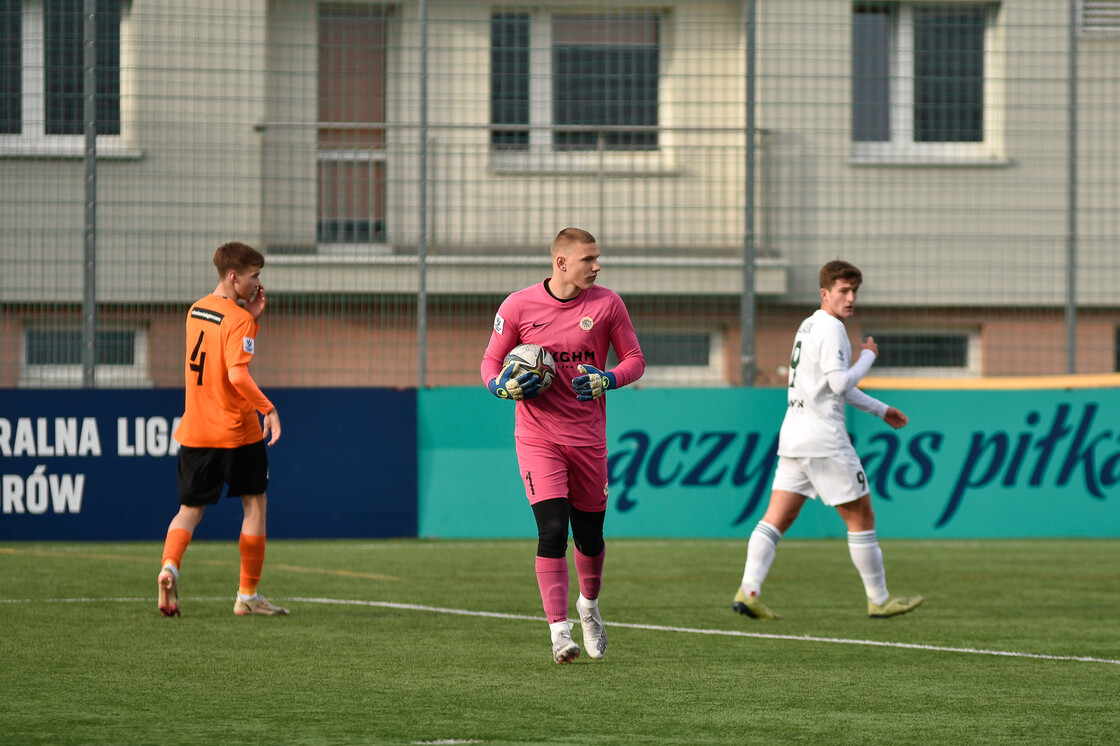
{"x": 403, "y": 166}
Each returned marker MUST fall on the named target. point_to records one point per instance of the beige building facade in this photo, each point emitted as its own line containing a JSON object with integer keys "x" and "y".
{"x": 403, "y": 172}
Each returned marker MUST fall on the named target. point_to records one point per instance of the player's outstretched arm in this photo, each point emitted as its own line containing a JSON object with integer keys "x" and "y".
{"x": 866, "y": 403}
{"x": 895, "y": 418}
{"x": 593, "y": 383}
{"x": 508, "y": 384}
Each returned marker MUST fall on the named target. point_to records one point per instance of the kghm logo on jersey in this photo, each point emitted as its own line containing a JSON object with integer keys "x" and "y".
{"x": 586, "y": 323}
{"x": 577, "y": 357}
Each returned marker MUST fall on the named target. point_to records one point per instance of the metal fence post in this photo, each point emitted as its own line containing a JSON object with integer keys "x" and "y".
{"x": 89, "y": 115}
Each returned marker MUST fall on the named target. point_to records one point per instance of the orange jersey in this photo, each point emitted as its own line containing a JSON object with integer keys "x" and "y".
{"x": 220, "y": 336}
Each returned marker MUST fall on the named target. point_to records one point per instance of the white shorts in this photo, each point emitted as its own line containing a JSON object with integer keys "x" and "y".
{"x": 835, "y": 479}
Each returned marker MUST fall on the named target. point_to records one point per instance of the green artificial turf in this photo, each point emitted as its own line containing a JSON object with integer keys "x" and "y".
{"x": 374, "y": 653}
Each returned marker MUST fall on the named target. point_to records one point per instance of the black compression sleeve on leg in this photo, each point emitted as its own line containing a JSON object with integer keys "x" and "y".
{"x": 587, "y": 531}
{"x": 552, "y": 527}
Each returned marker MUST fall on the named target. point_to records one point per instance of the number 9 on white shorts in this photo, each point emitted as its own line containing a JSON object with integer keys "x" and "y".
{"x": 835, "y": 479}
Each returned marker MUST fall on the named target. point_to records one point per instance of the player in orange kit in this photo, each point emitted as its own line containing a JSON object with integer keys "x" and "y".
{"x": 220, "y": 434}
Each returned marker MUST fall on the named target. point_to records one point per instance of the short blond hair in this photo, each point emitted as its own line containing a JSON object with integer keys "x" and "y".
{"x": 569, "y": 237}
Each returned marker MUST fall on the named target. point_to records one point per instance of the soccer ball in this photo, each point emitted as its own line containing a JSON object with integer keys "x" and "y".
{"x": 532, "y": 358}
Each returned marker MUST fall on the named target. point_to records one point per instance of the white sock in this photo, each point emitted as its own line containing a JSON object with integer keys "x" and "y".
{"x": 868, "y": 559}
{"x": 558, "y": 627}
{"x": 241, "y": 596}
{"x": 172, "y": 569}
{"x": 587, "y": 603}
{"x": 760, "y": 554}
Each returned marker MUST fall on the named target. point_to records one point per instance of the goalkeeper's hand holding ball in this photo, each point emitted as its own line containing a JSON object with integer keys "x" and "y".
{"x": 510, "y": 385}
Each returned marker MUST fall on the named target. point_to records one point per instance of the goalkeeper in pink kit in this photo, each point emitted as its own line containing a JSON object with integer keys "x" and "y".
{"x": 561, "y": 433}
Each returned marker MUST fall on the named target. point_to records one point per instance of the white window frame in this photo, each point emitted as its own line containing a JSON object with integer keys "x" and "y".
{"x": 363, "y": 155}
{"x": 901, "y": 148}
{"x": 541, "y": 157}
{"x": 690, "y": 376}
{"x": 372, "y": 156}
{"x": 973, "y": 367}
{"x": 1099, "y": 18}
{"x": 105, "y": 376}
{"x": 33, "y": 141}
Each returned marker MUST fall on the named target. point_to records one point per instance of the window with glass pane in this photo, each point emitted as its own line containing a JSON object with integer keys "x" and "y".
{"x": 64, "y": 347}
{"x": 600, "y": 70}
{"x": 349, "y": 190}
{"x": 676, "y": 348}
{"x": 604, "y": 72}
{"x": 352, "y": 112}
{"x": 48, "y": 35}
{"x": 904, "y": 350}
{"x": 509, "y": 80}
{"x": 681, "y": 358}
{"x": 65, "y": 72}
{"x": 11, "y": 110}
{"x": 871, "y": 73}
{"x": 948, "y": 74}
{"x": 918, "y": 73}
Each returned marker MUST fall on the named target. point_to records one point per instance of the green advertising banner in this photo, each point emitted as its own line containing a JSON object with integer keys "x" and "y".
{"x": 699, "y": 462}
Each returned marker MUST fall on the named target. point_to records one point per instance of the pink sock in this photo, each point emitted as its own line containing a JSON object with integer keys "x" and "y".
{"x": 552, "y": 578}
{"x": 589, "y": 571}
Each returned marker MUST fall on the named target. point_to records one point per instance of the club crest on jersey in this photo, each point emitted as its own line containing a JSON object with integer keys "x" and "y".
{"x": 499, "y": 324}
{"x": 248, "y": 344}
{"x": 586, "y": 323}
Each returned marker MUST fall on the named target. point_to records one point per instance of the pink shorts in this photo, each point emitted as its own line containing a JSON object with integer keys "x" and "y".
{"x": 550, "y": 470}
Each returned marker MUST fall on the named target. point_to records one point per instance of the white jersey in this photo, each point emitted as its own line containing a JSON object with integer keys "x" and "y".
{"x": 814, "y": 424}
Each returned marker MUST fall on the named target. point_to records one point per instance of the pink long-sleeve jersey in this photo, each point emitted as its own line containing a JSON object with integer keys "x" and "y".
{"x": 577, "y": 332}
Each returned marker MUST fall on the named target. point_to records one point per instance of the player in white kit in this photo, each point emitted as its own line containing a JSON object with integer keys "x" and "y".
{"x": 815, "y": 455}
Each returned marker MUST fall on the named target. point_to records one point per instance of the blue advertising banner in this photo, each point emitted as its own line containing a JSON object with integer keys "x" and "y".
{"x": 102, "y": 465}
{"x": 699, "y": 463}
{"x": 441, "y": 462}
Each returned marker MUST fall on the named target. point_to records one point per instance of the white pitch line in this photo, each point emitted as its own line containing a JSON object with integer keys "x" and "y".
{"x": 729, "y": 633}
{"x": 70, "y": 600}
{"x": 627, "y": 625}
